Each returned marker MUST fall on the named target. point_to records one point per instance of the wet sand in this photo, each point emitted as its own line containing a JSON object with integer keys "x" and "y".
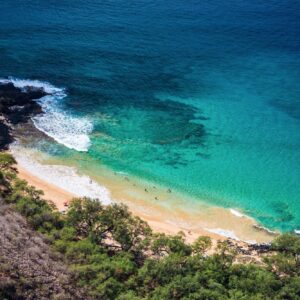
{"x": 59, "y": 196}
{"x": 51, "y": 192}
{"x": 164, "y": 210}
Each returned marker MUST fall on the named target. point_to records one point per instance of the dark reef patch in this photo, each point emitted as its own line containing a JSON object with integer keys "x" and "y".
{"x": 291, "y": 108}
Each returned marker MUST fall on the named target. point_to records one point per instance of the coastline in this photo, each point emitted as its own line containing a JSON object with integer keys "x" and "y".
{"x": 61, "y": 180}
{"x": 164, "y": 215}
{"x": 58, "y": 196}
{"x": 51, "y": 192}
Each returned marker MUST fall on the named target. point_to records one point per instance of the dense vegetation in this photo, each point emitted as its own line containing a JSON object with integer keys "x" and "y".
{"x": 29, "y": 268}
{"x": 115, "y": 255}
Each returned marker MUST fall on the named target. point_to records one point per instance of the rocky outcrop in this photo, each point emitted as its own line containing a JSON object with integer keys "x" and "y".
{"x": 16, "y": 106}
{"x": 5, "y": 136}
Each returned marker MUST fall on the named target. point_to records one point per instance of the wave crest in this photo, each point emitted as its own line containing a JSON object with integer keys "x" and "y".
{"x": 228, "y": 234}
{"x": 66, "y": 178}
{"x": 71, "y": 131}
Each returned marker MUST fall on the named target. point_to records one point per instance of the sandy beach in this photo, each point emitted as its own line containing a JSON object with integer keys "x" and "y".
{"x": 164, "y": 211}
{"x": 59, "y": 196}
{"x": 51, "y": 192}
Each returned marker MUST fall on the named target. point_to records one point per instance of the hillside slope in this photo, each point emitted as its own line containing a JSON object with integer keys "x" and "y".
{"x": 28, "y": 269}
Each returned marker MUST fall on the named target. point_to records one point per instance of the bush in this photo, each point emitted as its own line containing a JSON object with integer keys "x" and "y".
{"x": 115, "y": 255}
{"x": 6, "y": 161}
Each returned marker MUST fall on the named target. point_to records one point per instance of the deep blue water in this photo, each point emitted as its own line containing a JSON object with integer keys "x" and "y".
{"x": 203, "y": 96}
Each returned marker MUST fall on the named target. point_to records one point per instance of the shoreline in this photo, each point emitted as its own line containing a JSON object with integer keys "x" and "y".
{"x": 58, "y": 196}
{"x": 17, "y": 105}
{"x": 51, "y": 192}
{"x": 62, "y": 180}
{"x": 166, "y": 215}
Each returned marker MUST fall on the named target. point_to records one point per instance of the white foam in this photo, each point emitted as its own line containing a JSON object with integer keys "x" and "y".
{"x": 122, "y": 173}
{"x": 224, "y": 232}
{"x": 71, "y": 131}
{"x": 65, "y": 129}
{"x": 260, "y": 227}
{"x": 229, "y": 234}
{"x": 23, "y": 83}
{"x": 236, "y": 213}
{"x": 63, "y": 177}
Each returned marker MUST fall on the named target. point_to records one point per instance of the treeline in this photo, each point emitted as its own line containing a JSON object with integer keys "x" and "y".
{"x": 115, "y": 255}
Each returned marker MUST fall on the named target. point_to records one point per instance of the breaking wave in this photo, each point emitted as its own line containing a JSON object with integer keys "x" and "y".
{"x": 71, "y": 131}
{"x": 61, "y": 176}
{"x": 228, "y": 234}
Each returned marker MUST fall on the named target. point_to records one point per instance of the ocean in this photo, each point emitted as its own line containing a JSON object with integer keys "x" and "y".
{"x": 200, "y": 97}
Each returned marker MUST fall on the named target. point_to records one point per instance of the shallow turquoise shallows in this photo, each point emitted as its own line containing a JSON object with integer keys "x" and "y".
{"x": 202, "y": 96}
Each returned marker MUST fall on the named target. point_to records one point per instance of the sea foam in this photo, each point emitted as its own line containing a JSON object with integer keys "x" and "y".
{"x": 71, "y": 131}
{"x": 229, "y": 234}
{"x": 223, "y": 232}
{"x": 63, "y": 177}
{"x": 236, "y": 213}
{"x": 23, "y": 83}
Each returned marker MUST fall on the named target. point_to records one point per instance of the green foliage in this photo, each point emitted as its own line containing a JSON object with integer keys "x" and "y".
{"x": 255, "y": 279}
{"x": 40, "y": 214}
{"x": 287, "y": 244}
{"x": 83, "y": 215}
{"x": 286, "y": 260}
{"x": 7, "y": 173}
{"x": 202, "y": 244}
{"x": 114, "y": 222}
{"x": 163, "y": 245}
{"x": 115, "y": 255}
{"x": 290, "y": 289}
{"x": 6, "y": 161}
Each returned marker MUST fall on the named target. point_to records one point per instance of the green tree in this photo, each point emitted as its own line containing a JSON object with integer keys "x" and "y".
{"x": 286, "y": 260}
{"x": 201, "y": 245}
{"x": 7, "y": 162}
{"x": 164, "y": 245}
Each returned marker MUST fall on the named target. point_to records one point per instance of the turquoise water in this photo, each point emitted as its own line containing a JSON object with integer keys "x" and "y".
{"x": 201, "y": 96}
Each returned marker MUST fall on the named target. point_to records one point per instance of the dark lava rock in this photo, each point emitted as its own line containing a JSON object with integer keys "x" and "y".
{"x": 5, "y": 137}
{"x": 17, "y": 106}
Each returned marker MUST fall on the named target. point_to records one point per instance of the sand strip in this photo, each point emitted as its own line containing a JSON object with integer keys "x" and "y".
{"x": 161, "y": 218}
{"x": 59, "y": 196}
